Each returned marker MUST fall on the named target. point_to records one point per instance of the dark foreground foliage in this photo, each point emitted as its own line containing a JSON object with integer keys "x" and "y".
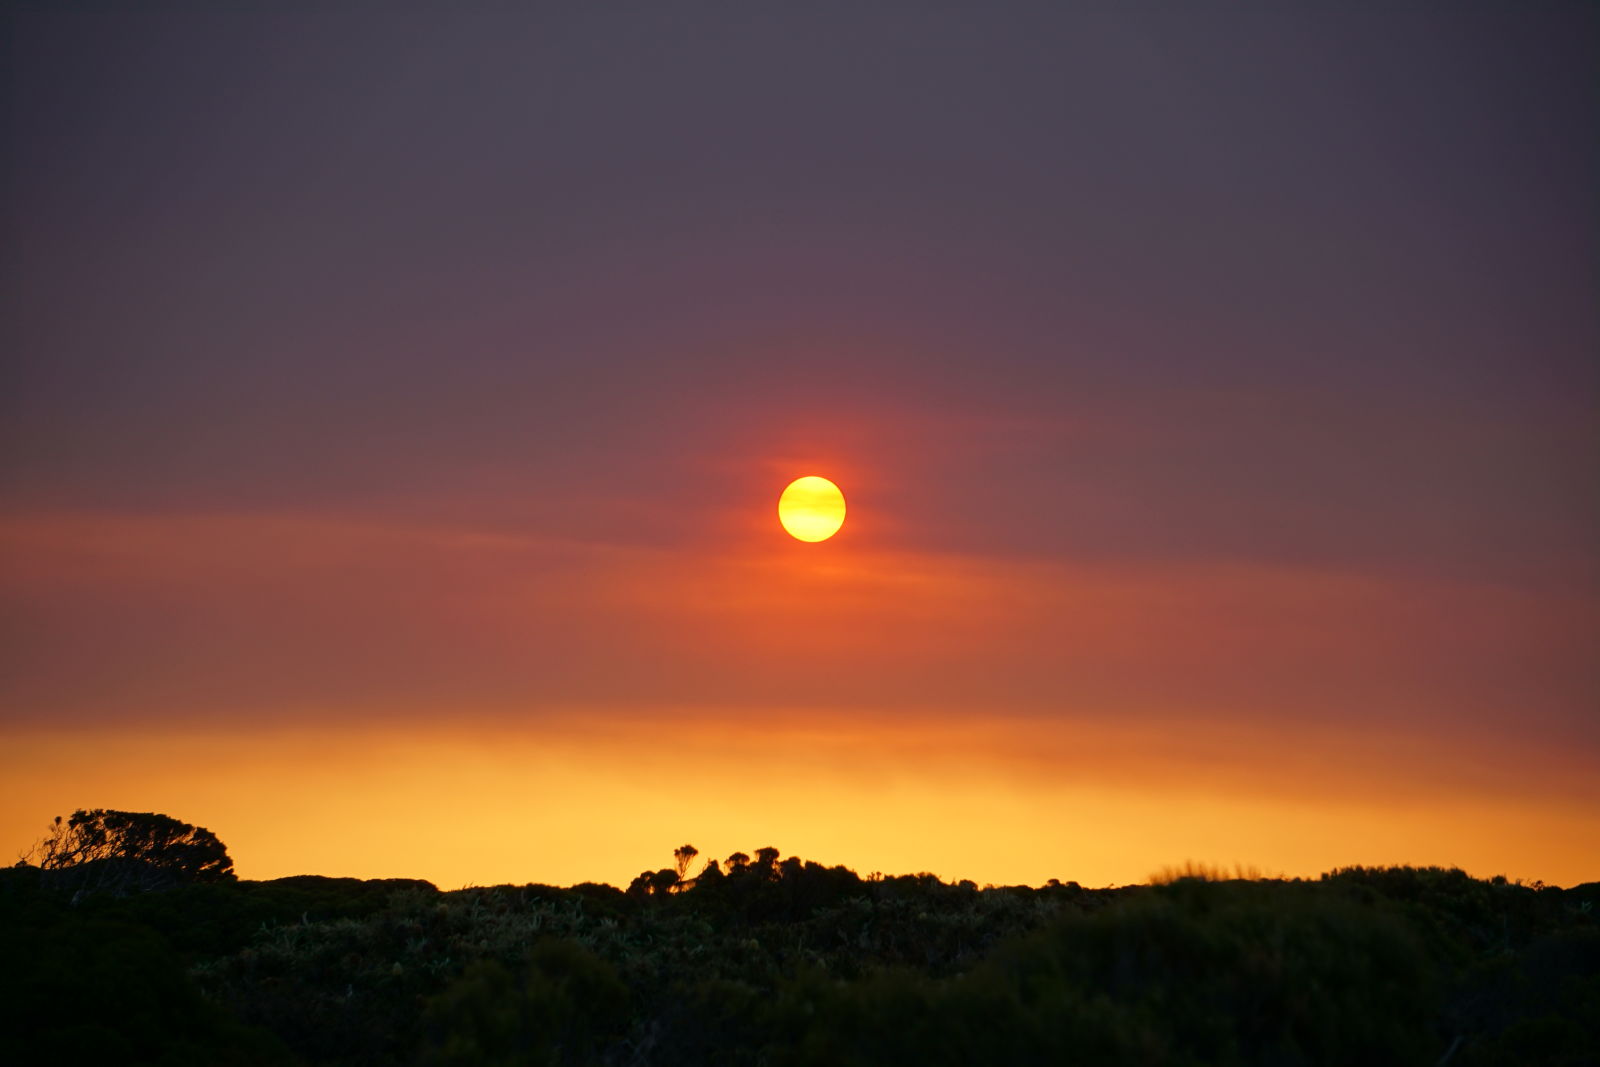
{"x": 762, "y": 962}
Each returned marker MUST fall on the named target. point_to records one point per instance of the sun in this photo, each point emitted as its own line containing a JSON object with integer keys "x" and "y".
{"x": 811, "y": 508}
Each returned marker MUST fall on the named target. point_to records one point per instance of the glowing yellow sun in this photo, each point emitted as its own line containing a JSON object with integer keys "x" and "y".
{"x": 811, "y": 508}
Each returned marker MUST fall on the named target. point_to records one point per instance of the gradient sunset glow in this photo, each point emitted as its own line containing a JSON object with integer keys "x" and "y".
{"x": 394, "y": 445}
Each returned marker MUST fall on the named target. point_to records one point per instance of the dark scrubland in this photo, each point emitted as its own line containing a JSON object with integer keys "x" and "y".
{"x": 758, "y": 961}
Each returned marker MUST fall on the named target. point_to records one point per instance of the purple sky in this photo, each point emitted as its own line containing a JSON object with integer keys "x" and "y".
{"x": 1149, "y": 287}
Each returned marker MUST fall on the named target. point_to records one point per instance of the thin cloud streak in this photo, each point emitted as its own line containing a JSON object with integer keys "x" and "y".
{"x": 227, "y": 615}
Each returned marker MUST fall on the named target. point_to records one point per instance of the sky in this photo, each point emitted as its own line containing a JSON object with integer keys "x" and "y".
{"x": 396, "y": 400}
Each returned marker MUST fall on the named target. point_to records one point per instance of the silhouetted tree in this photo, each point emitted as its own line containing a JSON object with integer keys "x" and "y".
{"x": 654, "y": 883}
{"x": 767, "y": 863}
{"x": 123, "y": 852}
{"x": 738, "y": 863}
{"x": 684, "y": 856}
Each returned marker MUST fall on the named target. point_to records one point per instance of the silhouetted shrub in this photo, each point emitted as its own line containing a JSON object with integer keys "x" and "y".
{"x": 121, "y": 852}
{"x": 1203, "y": 974}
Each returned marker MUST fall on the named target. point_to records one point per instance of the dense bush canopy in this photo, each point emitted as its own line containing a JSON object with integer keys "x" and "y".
{"x": 762, "y": 961}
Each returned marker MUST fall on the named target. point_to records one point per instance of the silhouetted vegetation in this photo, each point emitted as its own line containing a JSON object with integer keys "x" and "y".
{"x": 768, "y": 961}
{"x": 122, "y": 852}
